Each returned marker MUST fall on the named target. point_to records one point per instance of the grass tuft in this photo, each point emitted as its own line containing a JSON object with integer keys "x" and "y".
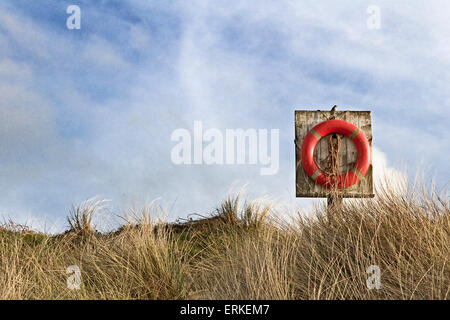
{"x": 241, "y": 252}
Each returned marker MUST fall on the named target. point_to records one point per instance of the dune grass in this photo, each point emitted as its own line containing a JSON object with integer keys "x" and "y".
{"x": 243, "y": 251}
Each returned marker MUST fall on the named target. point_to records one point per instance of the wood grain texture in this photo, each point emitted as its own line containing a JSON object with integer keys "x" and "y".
{"x": 305, "y": 120}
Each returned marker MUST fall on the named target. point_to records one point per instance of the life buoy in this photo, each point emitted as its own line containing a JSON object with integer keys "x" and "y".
{"x": 344, "y": 180}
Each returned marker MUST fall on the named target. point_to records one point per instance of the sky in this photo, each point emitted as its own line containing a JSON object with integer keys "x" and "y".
{"x": 90, "y": 112}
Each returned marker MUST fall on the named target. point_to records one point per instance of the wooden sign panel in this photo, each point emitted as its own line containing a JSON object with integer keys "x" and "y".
{"x": 304, "y": 122}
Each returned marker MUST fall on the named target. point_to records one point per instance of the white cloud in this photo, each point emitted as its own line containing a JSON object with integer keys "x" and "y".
{"x": 239, "y": 65}
{"x": 25, "y": 33}
{"x": 102, "y": 53}
{"x": 385, "y": 175}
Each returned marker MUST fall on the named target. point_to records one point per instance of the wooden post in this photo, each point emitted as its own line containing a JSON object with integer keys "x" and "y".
{"x": 334, "y": 203}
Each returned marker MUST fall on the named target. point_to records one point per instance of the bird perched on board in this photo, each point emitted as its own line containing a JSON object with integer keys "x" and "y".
{"x": 334, "y": 108}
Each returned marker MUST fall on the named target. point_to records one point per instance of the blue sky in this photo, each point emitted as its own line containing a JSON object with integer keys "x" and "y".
{"x": 90, "y": 112}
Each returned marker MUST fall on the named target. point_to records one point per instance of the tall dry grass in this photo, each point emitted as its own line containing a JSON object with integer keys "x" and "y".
{"x": 242, "y": 252}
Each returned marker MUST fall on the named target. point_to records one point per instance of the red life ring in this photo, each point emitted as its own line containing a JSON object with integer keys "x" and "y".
{"x": 344, "y": 180}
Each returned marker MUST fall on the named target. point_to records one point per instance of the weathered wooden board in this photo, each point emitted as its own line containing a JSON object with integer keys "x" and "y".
{"x": 304, "y": 122}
